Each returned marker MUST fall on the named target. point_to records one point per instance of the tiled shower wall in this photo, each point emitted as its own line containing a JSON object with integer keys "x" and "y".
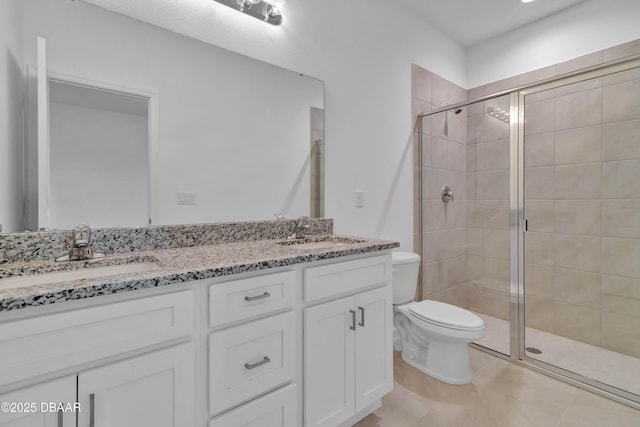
{"x": 465, "y": 243}
{"x": 444, "y": 162}
{"x": 582, "y": 200}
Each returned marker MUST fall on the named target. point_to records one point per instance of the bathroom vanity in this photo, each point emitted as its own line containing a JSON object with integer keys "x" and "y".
{"x": 241, "y": 333}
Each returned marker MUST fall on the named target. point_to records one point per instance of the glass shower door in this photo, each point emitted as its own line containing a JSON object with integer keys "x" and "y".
{"x": 581, "y": 202}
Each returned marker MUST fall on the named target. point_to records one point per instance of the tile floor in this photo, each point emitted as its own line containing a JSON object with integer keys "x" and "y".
{"x": 500, "y": 394}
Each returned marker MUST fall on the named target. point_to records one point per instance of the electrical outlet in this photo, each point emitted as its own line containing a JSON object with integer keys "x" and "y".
{"x": 359, "y": 198}
{"x": 185, "y": 198}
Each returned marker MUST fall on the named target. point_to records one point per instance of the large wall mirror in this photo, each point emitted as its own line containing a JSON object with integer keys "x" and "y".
{"x": 147, "y": 126}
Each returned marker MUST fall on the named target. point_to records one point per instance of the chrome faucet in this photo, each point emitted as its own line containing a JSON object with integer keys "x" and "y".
{"x": 81, "y": 247}
{"x": 300, "y": 228}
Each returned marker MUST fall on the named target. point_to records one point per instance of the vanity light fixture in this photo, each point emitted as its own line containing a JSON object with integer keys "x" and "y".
{"x": 260, "y": 9}
{"x": 526, "y": 1}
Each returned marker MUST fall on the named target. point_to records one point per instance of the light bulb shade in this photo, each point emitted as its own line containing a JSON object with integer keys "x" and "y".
{"x": 259, "y": 9}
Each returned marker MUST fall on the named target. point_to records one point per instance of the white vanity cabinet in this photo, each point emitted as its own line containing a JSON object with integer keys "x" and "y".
{"x": 348, "y": 363}
{"x": 154, "y": 389}
{"x": 25, "y": 408}
{"x": 252, "y": 362}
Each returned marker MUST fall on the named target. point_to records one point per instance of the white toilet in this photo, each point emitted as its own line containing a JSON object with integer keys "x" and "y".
{"x": 432, "y": 335}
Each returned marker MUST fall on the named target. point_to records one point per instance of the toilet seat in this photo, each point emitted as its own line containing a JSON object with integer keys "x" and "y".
{"x": 446, "y": 315}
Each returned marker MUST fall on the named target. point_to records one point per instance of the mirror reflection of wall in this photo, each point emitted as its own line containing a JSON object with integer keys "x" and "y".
{"x": 230, "y": 130}
{"x": 99, "y": 153}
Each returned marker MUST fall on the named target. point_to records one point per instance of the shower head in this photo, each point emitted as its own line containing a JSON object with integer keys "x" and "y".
{"x": 458, "y": 111}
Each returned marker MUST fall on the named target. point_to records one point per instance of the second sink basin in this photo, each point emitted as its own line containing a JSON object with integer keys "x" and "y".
{"x": 70, "y": 276}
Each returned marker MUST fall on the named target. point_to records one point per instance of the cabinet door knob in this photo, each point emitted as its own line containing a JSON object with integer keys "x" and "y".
{"x": 353, "y": 320}
{"x": 361, "y": 316}
{"x": 250, "y": 366}
{"x": 253, "y": 298}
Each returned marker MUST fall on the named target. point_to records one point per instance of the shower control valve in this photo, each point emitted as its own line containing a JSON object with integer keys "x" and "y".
{"x": 447, "y": 194}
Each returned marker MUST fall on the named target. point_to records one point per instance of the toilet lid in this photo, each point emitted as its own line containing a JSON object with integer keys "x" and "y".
{"x": 446, "y": 314}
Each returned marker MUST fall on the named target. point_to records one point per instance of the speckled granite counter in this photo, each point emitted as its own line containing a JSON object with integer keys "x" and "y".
{"x": 176, "y": 265}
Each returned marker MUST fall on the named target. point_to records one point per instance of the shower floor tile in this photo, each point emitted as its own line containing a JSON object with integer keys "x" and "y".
{"x": 606, "y": 366}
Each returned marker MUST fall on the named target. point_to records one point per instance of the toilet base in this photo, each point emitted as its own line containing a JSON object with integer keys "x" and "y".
{"x": 447, "y": 362}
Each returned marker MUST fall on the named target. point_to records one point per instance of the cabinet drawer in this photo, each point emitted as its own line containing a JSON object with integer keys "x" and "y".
{"x": 247, "y": 298}
{"x": 35, "y": 346}
{"x": 345, "y": 277}
{"x": 250, "y": 359}
{"x": 276, "y": 409}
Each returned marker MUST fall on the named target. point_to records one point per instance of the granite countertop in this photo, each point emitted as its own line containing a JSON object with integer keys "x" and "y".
{"x": 174, "y": 266}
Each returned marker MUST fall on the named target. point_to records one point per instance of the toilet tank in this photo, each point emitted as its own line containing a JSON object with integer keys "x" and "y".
{"x": 405, "y": 276}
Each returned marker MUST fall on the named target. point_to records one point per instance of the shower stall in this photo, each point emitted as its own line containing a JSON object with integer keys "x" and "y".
{"x": 529, "y": 216}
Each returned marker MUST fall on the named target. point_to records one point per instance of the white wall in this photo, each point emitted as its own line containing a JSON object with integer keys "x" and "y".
{"x": 362, "y": 50}
{"x": 587, "y": 27}
{"x": 11, "y": 114}
{"x": 99, "y": 173}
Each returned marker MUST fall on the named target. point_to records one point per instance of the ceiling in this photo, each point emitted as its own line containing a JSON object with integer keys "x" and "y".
{"x": 470, "y": 22}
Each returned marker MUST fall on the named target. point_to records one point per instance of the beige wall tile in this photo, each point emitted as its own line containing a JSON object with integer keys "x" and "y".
{"x": 579, "y": 86}
{"x": 421, "y": 83}
{"x": 454, "y": 214}
{"x": 540, "y": 117}
{"x": 476, "y": 92}
{"x": 496, "y": 270}
{"x": 434, "y": 277}
{"x": 427, "y": 150}
{"x": 621, "y": 102}
{"x": 582, "y": 145}
{"x": 495, "y": 185}
{"x": 539, "y": 214}
{"x": 475, "y": 109}
{"x": 474, "y": 129}
{"x": 439, "y": 153}
{"x": 580, "y": 62}
{"x": 494, "y": 155}
{"x": 474, "y": 241}
{"x": 540, "y": 96}
{"x": 539, "y": 281}
{"x": 539, "y": 248}
{"x": 621, "y": 141}
{"x": 456, "y": 271}
{"x": 539, "y": 149}
{"x": 621, "y": 295}
{"x": 577, "y": 252}
{"x": 621, "y": 218}
{"x": 474, "y": 267}
{"x": 578, "y": 217}
{"x": 457, "y": 157}
{"x": 588, "y": 409}
{"x": 621, "y": 179}
{"x": 620, "y": 257}
{"x": 432, "y": 215}
{"x": 439, "y": 88}
{"x": 580, "y": 181}
{"x": 622, "y": 76}
{"x": 539, "y": 183}
{"x": 536, "y": 75}
{"x": 577, "y": 287}
{"x": 579, "y": 109}
{"x": 539, "y": 313}
{"x": 488, "y": 301}
{"x": 474, "y": 213}
{"x": 578, "y": 323}
{"x": 495, "y": 214}
{"x": 620, "y": 51}
{"x": 621, "y": 334}
{"x": 495, "y": 244}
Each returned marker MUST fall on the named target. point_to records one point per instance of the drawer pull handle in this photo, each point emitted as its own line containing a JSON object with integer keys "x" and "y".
{"x": 353, "y": 320}
{"x": 60, "y": 422}
{"x": 265, "y": 295}
{"x": 92, "y": 412}
{"x": 264, "y": 361}
{"x": 361, "y": 323}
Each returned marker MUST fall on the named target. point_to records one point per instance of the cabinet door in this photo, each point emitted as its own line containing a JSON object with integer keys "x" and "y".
{"x": 153, "y": 390}
{"x": 38, "y": 398}
{"x": 374, "y": 356}
{"x": 329, "y": 363}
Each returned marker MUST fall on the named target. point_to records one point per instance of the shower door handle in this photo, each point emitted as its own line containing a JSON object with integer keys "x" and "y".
{"x": 353, "y": 320}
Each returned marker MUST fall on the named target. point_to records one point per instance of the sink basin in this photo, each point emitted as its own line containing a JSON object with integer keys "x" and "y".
{"x": 320, "y": 242}
{"x": 70, "y": 276}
